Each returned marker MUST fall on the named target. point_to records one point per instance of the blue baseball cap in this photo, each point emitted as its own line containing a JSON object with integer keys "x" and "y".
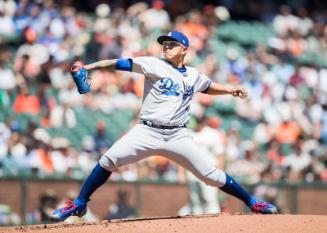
{"x": 175, "y": 36}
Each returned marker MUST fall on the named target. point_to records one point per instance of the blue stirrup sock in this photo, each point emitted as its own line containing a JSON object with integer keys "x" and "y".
{"x": 98, "y": 177}
{"x": 233, "y": 188}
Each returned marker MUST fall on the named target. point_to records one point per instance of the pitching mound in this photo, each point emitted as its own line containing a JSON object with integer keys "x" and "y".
{"x": 202, "y": 224}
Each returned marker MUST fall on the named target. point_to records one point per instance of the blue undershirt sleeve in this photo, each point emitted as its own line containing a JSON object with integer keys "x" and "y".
{"x": 124, "y": 64}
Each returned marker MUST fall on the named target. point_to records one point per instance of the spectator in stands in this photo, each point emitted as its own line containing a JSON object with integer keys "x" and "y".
{"x": 296, "y": 80}
{"x": 233, "y": 141}
{"x": 204, "y": 199}
{"x": 8, "y": 79}
{"x": 30, "y": 56}
{"x": 287, "y": 132}
{"x": 156, "y": 17}
{"x": 5, "y": 134}
{"x": 15, "y": 160}
{"x": 296, "y": 44}
{"x": 26, "y": 103}
{"x": 47, "y": 203}
{"x": 7, "y": 28}
{"x": 63, "y": 116}
{"x": 305, "y": 23}
{"x": 40, "y": 159}
{"x": 8, "y": 216}
{"x": 100, "y": 137}
{"x": 63, "y": 156}
{"x": 67, "y": 94}
{"x": 285, "y": 22}
{"x": 262, "y": 134}
{"x": 121, "y": 208}
{"x": 30, "y": 141}
{"x": 249, "y": 167}
{"x": 8, "y": 7}
{"x": 88, "y": 156}
{"x": 297, "y": 162}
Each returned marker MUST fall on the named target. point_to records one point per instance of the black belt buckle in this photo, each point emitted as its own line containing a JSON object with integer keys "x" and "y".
{"x": 148, "y": 123}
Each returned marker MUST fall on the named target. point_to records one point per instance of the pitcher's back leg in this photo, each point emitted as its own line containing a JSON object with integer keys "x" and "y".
{"x": 187, "y": 155}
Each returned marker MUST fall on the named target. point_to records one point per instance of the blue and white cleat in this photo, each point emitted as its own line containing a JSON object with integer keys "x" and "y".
{"x": 262, "y": 207}
{"x": 71, "y": 208}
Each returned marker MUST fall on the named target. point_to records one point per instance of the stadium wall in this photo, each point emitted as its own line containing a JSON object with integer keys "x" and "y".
{"x": 153, "y": 198}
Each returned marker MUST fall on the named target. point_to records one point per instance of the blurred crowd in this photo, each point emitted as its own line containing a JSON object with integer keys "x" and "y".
{"x": 287, "y": 105}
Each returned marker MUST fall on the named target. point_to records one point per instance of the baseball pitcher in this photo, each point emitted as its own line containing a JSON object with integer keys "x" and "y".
{"x": 168, "y": 89}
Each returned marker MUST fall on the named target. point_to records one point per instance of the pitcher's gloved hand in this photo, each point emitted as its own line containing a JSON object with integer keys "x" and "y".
{"x": 79, "y": 74}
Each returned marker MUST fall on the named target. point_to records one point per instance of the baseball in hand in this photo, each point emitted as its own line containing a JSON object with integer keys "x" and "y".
{"x": 240, "y": 92}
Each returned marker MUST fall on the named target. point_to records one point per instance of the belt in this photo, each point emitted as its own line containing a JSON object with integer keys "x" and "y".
{"x": 151, "y": 124}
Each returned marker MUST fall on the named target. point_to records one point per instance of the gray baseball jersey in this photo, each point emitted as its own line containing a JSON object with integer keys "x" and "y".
{"x": 166, "y": 101}
{"x": 167, "y": 91}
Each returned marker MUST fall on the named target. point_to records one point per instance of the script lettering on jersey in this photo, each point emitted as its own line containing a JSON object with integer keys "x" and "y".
{"x": 189, "y": 90}
{"x": 168, "y": 87}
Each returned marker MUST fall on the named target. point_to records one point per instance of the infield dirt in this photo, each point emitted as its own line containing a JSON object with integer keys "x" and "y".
{"x": 222, "y": 223}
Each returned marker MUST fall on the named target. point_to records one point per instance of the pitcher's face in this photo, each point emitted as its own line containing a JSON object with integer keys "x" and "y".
{"x": 173, "y": 50}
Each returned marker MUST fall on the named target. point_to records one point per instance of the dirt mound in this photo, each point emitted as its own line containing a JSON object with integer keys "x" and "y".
{"x": 202, "y": 224}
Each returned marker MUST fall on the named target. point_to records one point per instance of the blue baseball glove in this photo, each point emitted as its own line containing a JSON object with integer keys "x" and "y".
{"x": 79, "y": 74}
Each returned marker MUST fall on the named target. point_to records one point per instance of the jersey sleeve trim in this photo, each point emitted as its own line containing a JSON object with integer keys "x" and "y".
{"x": 124, "y": 64}
{"x": 207, "y": 89}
